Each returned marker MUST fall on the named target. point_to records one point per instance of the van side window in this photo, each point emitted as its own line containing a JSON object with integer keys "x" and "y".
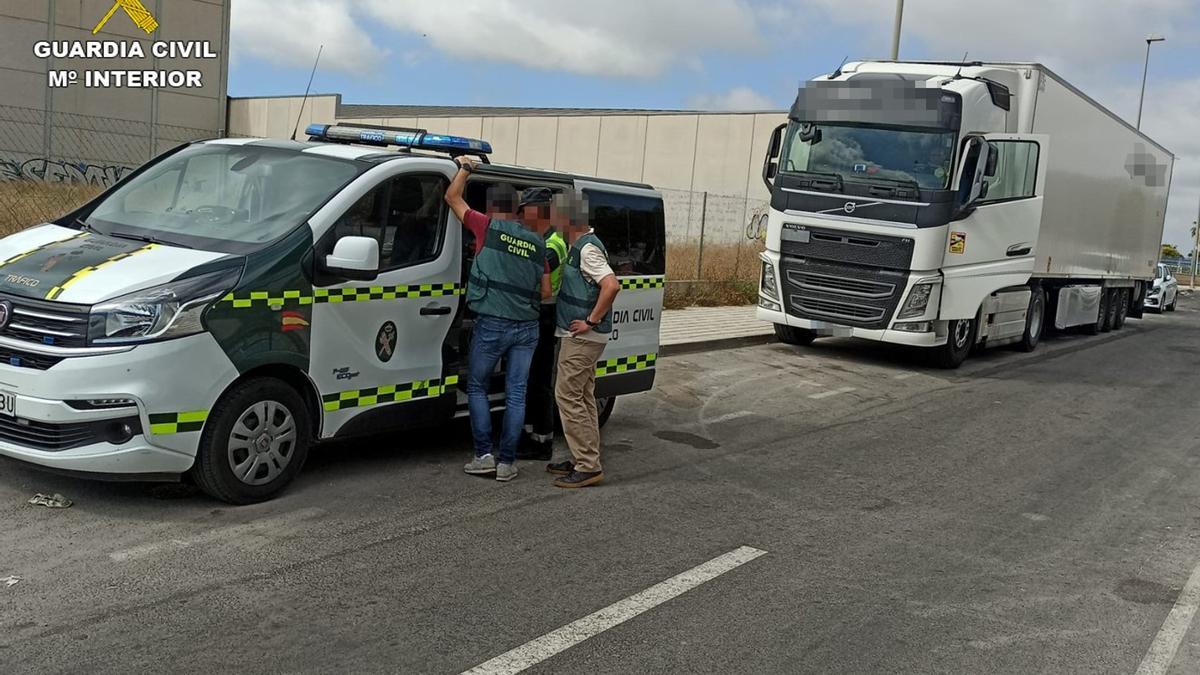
{"x": 1016, "y": 171}
{"x": 406, "y": 215}
{"x": 633, "y": 229}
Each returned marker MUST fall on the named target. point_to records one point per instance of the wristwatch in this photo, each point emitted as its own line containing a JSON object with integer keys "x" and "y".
{"x": 463, "y": 165}
{"x": 591, "y": 323}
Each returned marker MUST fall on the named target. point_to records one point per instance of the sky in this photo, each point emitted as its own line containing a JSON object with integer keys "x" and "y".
{"x": 715, "y": 54}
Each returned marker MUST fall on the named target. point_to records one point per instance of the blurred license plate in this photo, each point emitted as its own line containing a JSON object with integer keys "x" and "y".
{"x": 8, "y": 404}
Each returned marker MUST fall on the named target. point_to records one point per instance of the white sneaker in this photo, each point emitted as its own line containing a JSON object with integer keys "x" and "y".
{"x": 505, "y": 472}
{"x": 481, "y": 466}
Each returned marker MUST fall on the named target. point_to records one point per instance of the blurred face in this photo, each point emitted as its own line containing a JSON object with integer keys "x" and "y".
{"x": 536, "y": 217}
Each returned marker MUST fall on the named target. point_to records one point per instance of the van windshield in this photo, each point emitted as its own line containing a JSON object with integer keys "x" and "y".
{"x": 227, "y": 198}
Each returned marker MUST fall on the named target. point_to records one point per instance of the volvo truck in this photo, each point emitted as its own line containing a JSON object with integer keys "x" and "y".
{"x": 956, "y": 206}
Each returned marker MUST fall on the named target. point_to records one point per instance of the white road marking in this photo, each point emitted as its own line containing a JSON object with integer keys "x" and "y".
{"x": 539, "y": 649}
{"x": 832, "y": 392}
{"x": 1166, "y": 643}
{"x": 731, "y": 416}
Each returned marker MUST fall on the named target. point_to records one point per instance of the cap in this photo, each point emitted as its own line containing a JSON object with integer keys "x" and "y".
{"x": 536, "y": 195}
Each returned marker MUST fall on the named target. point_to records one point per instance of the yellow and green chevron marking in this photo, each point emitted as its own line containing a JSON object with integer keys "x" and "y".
{"x": 336, "y": 295}
{"x": 74, "y": 278}
{"x": 642, "y": 283}
{"x": 626, "y": 364}
{"x": 392, "y": 393}
{"x": 163, "y": 424}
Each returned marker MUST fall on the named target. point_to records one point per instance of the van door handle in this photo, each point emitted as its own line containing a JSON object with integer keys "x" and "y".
{"x": 435, "y": 310}
{"x": 1019, "y": 249}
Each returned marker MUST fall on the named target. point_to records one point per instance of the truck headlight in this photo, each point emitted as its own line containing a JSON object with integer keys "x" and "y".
{"x": 918, "y": 300}
{"x": 768, "y": 285}
{"x": 160, "y": 313}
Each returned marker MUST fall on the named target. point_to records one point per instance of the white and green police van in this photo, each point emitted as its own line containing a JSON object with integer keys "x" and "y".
{"x": 234, "y": 301}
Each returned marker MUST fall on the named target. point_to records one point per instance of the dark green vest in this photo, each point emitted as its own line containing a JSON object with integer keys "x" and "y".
{"x": 506, "y": 277}
{"x": 577, "y": 296}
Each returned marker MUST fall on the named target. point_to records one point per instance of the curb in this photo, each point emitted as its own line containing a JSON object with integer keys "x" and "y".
{"x": 715, "y": 345}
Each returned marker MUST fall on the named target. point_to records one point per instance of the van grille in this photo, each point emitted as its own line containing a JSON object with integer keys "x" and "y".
{"x": 52, "y": 437}
{"x": 22, "y": 359}
{"x": 47, "y": 323}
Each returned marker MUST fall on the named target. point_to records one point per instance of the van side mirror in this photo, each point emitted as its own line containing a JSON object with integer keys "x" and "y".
{"x": 771, "y": 163}
{"x": 355, "y": 258}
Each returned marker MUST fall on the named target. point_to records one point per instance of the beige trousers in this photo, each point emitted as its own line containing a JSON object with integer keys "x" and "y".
{"x": 575, "y": 392}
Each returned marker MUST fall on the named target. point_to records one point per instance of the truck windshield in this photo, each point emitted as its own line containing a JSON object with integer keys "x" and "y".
{"x": 225, "y": 198}
{"x": 865, "y": 153}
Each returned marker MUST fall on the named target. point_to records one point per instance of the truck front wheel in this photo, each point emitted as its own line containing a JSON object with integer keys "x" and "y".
{"x": 1035, "y": 320}
{"x": 958, "y": 344}
{"x": 791, "y": 335}
{"x": 255, "y": 442}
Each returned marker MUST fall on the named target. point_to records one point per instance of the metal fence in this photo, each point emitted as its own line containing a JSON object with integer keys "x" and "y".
{"x": 51, "y": 161}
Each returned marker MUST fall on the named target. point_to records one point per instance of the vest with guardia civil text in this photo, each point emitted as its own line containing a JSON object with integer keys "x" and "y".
{"x": 577, "y": 296}
{"x": 506, "y": 277}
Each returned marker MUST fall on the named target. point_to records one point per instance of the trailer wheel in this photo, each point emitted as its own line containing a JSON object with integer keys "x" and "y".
{"x": 1122, "y": 309}
{"x": 1110, "y": 310}
{"x": 255, "y": 442}
{"x": 1035, "y": 320}
{"x": 1095, "y": 328}
{"x": 959, "y": 340}
{"x": 790, "y": 335}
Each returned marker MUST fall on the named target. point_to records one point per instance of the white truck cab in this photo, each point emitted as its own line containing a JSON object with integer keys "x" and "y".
{"x": 952, "y": 206}
{"x": 235, "y": 300}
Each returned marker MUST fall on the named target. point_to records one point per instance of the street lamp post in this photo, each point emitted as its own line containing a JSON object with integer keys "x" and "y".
{"x": 896, "y": 30}
{"x": 1150, "y": 39}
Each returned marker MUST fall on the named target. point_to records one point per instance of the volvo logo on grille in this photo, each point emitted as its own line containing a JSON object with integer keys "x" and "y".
{"x": 849, "y": 207}
{"x": 6, "y": 312}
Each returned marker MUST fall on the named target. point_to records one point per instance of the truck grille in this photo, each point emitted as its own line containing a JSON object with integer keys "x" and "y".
{"x": 813, "y": 281}
{"x": 52, "y": 437}
{"x": 843, "y": 293}
{"x": 837, "y": 309}
{"x": 47, "y": 323}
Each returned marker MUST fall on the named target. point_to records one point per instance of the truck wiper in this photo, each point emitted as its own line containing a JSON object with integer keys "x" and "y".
{"x": 909, "y": 183}
{"x": 823, "y": 179}
{"x": 146, "y": 238}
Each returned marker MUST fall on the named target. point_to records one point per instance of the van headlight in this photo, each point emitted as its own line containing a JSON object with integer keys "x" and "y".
{"x": 918, "y": 300}
{"x": 169, "y": 311}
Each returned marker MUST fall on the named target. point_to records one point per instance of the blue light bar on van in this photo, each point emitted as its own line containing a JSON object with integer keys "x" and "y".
{"x": 415, "y": 138}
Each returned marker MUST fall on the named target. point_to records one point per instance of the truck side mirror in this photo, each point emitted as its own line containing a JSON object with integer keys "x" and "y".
{"x": 992, "y": 160}
{"x": 771, "y": 163}
{"x": 355, "y": 258}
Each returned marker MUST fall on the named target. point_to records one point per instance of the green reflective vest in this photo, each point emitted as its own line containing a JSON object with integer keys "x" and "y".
{"x": 557, "y": 245}
{"x": 577, "y": 297}
{"x": 506, "y": 277}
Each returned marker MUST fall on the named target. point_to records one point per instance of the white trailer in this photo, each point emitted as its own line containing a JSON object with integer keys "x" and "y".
{"x": 952, "y": 206}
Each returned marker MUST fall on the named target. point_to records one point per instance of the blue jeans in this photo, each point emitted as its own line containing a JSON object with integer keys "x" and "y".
{"x": 514, "y": 341}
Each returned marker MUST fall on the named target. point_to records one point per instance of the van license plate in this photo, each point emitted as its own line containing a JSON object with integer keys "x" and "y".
{"x": 8, "y": 404}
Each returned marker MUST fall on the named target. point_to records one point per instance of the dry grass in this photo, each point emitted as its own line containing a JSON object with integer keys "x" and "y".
{"x": 25, "y": 203}
{"x": 729, "y": 275}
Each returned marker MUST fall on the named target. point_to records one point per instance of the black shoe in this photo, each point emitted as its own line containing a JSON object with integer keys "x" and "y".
{"x": 579, "y": 479}
{"x": 538, "y": 450}
{"x": 561, "y": 469}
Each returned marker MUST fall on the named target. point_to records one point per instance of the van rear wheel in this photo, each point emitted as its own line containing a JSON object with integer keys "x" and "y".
{"x": 790, "y": 335}
{"x": 604, "y": 406}
{"x": 254, "y": 443}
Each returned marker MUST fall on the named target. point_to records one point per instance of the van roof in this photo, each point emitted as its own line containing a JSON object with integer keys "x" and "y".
{"x": 376, "y": 155}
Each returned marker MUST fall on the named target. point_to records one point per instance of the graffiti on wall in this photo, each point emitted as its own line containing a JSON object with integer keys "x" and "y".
{"x": 57, "y": 171}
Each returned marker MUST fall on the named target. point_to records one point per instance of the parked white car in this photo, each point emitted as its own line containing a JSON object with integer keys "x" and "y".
{"x": 1164, "y": 293}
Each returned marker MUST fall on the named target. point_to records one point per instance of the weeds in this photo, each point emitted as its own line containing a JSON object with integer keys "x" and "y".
{"x": 26, "y": 203}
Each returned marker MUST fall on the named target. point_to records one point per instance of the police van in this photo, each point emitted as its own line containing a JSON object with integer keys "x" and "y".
{"x": 234, "y": 301}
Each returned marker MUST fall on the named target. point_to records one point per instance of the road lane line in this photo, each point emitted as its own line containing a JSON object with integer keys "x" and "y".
{"x": 1166, "y": 643}
{"x": 832, "y": 392}
{"x": 539, "y": 649}
{"x": 731, "y": 416}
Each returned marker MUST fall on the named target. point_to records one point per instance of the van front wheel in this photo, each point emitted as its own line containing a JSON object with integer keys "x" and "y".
{"x": 254, "y": 443}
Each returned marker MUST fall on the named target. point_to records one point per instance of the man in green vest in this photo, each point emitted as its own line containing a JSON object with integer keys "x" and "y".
{"x": 583, "y": 326}
{"x": 547, "y": 213}
{"x": 507, "y": 282}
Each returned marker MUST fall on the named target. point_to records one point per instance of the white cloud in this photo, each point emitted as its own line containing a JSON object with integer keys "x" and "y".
{"x": 738, "y": 98}
{"x": 618, "y": 38}
{"x": 288, "y": 34}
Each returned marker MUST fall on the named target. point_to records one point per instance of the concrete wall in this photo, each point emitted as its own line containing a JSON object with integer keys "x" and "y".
{"x": 719, "y": 153}
{"x": 114, "y": 127}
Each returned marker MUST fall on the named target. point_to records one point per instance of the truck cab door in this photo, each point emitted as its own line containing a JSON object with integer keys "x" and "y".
{"x": 993, "y": 241}
{"x": 377, "y": 344}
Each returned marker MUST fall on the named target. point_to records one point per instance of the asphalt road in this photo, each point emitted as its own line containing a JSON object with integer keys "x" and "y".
{"x": 1028, "y": 513}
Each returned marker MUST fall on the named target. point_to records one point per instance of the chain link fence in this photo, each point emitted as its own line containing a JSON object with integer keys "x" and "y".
{"x": 50, "y": 162}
